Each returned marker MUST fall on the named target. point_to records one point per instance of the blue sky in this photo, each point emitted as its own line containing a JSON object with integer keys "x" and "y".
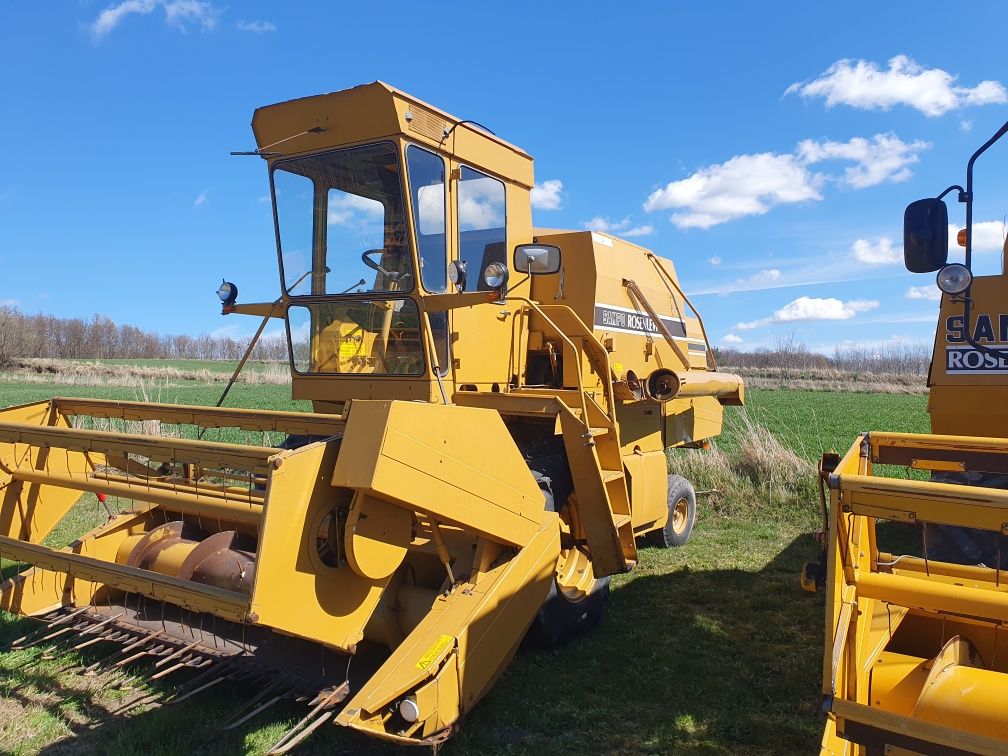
{"x": 769, "y": 150}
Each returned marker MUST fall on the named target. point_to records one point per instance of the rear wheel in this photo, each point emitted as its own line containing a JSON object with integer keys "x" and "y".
{"x": 681, "y": 515}
{"x": 577, "y": 599}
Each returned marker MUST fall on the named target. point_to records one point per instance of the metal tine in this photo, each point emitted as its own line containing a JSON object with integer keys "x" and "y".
{"x": 90, "y": 630}
{"x": 307, "y": 726}
{"x": 50, "y": 622}
{"x": 179, "y": 652}
{"x": 216, "y": 674}
{"x": 239, "y": 716}
{"x": 46, "y": 621}
{"x": 149, "y": 698}
{"x": 181, "y": 664}
{"x": 113, "y": 636}
{"x": 156, "y": 651}
{"x": 21, "y": 642}
{"x": 90, "y": 670}
{"x": 256, "y": 711}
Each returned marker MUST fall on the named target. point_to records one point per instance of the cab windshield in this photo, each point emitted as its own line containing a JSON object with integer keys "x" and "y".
{"x": 341, "y": 222}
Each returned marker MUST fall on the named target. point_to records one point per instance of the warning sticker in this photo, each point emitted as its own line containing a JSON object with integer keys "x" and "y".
{"x": 435, "y": 651}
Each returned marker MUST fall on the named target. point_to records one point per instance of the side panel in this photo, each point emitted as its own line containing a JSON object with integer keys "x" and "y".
{"x": 294, "y": 591}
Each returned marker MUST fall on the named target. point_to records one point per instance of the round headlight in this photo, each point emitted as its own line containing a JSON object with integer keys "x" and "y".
{"x": 457, "y": 273}
{"x": 495, "y": 275}
{"x": 227, "y": 292}
{"x": 954, "y": 278}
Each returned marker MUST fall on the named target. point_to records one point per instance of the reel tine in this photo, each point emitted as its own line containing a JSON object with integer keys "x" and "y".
{"x": 239, "y": 716}
{"x": 176, "y": 654}
{"x": 257, "y": 710}
{"x": 215, "y": 673}
{"x": 311, "y": 722}
{"x": 92, "y": 669}
{"x": 49, "y": 624}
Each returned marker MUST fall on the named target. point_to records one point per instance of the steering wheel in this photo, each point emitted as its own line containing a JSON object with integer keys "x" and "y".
{"x": 366, "y": 258}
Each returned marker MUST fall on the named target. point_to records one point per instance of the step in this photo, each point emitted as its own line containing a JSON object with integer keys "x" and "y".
{"x": 599, "y": 431}
{"x": 610, "y": 475}
{"x": 621, "y": 520}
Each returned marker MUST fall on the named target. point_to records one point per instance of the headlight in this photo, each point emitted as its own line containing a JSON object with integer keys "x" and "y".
{"x": 457, "y": 273}
{"x": 227, "y": 292}
{"x": 495, "y": 275}
{"x": 954, "y": 278}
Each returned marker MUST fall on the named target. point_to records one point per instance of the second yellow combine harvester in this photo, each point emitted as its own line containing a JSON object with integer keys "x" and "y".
{"x": 493, "y": 405}
{"x": 916, "y": 653}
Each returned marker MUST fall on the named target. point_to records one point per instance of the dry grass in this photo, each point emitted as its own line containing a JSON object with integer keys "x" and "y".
{"x": 760, "y": 478}
{"x": 92, "y": 373}
{"x": 829, "y": 379}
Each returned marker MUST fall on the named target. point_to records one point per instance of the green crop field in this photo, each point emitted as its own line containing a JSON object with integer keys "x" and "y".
{"x": 708, "y": 649}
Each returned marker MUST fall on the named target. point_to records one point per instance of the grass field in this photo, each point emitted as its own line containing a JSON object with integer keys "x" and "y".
{"x": 708, "y": 649}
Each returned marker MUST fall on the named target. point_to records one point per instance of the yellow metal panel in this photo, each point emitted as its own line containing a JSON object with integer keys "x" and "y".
{"x": 487, "y": 621}
{"x": 376, "y": 536}
{"x": 457, "y": 464}
{"x": 294, "y": 591}
{"x": 648, "y": 487}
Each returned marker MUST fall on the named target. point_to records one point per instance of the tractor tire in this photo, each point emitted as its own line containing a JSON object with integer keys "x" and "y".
{"x": 681, "y": 515}
{"x": 566, "y": 614}
{"x": 561, "y": 619}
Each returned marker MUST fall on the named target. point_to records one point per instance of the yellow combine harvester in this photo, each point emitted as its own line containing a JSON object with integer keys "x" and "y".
{"x": 916, "y": 654}
{"x": 493, "y": 405}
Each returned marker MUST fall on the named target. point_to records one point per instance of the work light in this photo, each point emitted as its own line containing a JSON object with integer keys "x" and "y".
{"x": 227, "y": 292}
{"x": 495, "y": 275}
{"x": 954, "y": 278}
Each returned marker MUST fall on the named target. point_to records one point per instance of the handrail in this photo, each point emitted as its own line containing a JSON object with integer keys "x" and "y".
{"x": 635, "y": 293}
{"x": 670, "y": 280}
{"x": 607, "y": 379}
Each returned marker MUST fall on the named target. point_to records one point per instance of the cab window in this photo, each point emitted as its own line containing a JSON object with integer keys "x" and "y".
{"x": 481, "y": 225}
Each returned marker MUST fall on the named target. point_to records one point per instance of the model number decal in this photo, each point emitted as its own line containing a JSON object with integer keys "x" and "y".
{"x": 612, "y": 318}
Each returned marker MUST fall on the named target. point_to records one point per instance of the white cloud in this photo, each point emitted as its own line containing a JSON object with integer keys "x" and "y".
{"x": 764, "y": 279}
{"x": 618, "y": 228}
{"x": 731, "y": 338}
{"x": 646, "y": 230}
{"x": 112, "y": 16}
{"x": 200, "y": 200}
{"x": 862, "y": 84}
{"x": 883, "y": 158}
{"x": 344, "y": 208}
{"x": 812, "y": 308}
{"x": 744, "y": 185}
{"x": 965, "y": 126}
{"x": 753, "y": 184}
{"x": 714, "y": 260}
{"x": 988, "y": 236}
{"x": 10, "y": 303}
{"x": 931, "y": 293}
{"x": 480, "y": 204}
{"x": 255, "y": 27}
{"x": 606, "y": 226}
{"x": 880, "y": 253}
{"x": 547, "y": 195}
{"x": 178, "y": 13}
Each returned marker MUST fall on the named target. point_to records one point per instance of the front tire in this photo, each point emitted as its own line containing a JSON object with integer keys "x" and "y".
{"x": 681, "y": 515}
{"x": 577, "y": 599}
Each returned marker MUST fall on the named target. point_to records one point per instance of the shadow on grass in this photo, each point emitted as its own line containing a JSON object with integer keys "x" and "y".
{"x": 707, "y": 661}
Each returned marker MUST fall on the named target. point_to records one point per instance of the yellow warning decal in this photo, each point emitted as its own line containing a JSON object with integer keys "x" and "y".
{"x": 349, "y": 347}
{"x": 435, "y": 651}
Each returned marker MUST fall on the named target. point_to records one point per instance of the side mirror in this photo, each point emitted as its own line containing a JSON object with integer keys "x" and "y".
{"x": 925, "y": 236}
{"x": 537, "y": 259}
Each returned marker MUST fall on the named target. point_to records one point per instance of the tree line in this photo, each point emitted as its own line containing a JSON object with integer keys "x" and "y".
{"x": 100, "y": 338}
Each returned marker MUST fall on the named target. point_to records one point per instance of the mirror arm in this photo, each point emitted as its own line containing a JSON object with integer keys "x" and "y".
{"x": 962, "y": 192}
{"x": 519, "y": 283}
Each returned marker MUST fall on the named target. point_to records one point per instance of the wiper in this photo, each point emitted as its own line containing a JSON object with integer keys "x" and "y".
{"x": 305, "y": 275}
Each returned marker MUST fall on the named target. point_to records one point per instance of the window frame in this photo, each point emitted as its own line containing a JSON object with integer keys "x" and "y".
{"x": 403, "y": 188}
{"x": 458, "y": 217}
{"x": 415, "y": 216}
